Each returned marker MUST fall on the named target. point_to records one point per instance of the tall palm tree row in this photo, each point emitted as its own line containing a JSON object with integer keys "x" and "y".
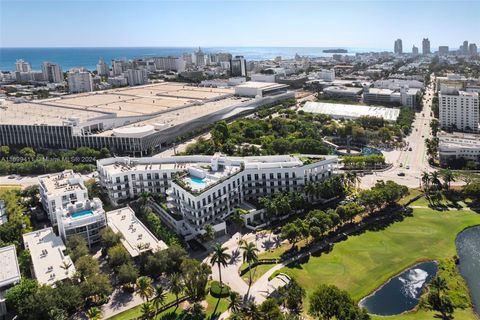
{"x": 220, "y": 258}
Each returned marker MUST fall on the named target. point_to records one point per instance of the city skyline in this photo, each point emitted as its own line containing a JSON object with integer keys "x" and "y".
{"x": 216, "y": 23}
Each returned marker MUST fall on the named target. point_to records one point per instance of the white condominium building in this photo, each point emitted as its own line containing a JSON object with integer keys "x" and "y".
{"x": 136, "y": 237}
{"x": 47, "y": 250}
{"x": 52, "y": 72}
{"x": 65, "y": 198}
{"x": 22, "y": 66}
{"x": 136, "y": 77}
{"x": 206, "y": 189}
{"x": 102, "y": 68}
{"x": 82, "y": 218}
{"x": 9, "y": 274}
{"x": 452, "y": 146}
{"x": 459, "y": 110}
{"x": 59, "y": 190}
{"x": 79, "y": 80}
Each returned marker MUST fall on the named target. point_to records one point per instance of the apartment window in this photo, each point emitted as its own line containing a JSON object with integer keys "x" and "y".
{"x": 157, "y": 176}
{"x": 149, "y": 176}
{"x": 117, "y": 180}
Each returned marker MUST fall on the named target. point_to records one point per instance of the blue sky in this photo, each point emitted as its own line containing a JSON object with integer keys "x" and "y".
{"x": 366, "y": 24}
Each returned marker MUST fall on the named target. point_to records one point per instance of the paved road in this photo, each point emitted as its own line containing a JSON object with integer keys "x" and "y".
{"x": 416, "y": 160}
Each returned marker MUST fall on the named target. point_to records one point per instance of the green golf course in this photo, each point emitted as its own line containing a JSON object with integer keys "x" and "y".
{"x": 363, "y": 262}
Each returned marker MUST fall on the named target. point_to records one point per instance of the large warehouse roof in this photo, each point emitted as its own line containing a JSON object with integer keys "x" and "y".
{"x": 351, "y": 111}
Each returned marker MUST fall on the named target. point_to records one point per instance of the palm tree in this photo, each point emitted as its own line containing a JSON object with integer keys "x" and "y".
{"x": 144, "y": 196}
{"x": 425, "y": 180}
{"x": 160, "y": 297}
{"x": 448, "y": 177}
{"x": 147, "y": 309}
{"x": 252, "y": 312}
{"x": 311, "y": 189}
{"x": 235, "y": 303}
{"x": 220, "y": 258}
{"x": 249, "y": 256}
{"x": 236, "y": 315}
{"x": 209, "y": 232}
{"x": 434, "y": 179}
{"x": 175, "y": 285}
{"x": 65, "y": 266}
{"x": 94, "y": 313}
{"x": 145, "y": 288}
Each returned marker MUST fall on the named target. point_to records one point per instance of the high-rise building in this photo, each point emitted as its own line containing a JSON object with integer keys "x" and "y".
{"x": 238, "y": 67}
{"x": 199, "y": 58}
{"x": 414, "y": 50}
{"x": 120, "y": 66}
{"x": 426, "y": 46}
{"x": 443, "y": 50}
{"x": 52, "y": 72}
{"x": 102, "y": 68}
{"x": 464, "y": 47}
{"x": 398, "y": 47}
{"x": 136, "y": 77}
{"x": 458, "y": 110}
{"x": 79, "y": 80}
{"x": 22, "y": 66}
{"x": 170, "y": 63}
{"x": 472, "y": 49}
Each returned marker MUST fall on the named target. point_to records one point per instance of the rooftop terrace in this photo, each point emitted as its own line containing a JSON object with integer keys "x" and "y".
{"x": 48, "y": 258}
{"x": 136, "y": 237}
{"x": 10, "y": 271}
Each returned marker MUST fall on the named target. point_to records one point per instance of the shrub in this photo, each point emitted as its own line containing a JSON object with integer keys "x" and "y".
{"x": 217, "y": 291}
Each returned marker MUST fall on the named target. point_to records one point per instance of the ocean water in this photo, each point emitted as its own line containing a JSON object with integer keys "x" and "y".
{"x": 88, "y": 57}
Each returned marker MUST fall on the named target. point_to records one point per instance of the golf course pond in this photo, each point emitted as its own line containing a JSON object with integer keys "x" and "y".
{"x": 402, "y": 292}
{"x": 468, "y": 250}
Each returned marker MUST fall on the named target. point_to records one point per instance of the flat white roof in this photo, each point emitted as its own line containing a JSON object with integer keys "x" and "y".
{"x": 46, "y": 250}
{"x": 61, "y": 182}
{"x": 459, "y": 140}
{"x": 9, "y": 269}
{"x": 380, "y": 91}
{"x": 351, "y": 111}
{"x": 135, "y": 234}
{"x": 260, "y": 85}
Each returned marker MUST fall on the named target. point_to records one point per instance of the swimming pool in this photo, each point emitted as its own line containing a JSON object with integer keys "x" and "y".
{"x": 81, "y": 214}
{"x": 197, "y": 182}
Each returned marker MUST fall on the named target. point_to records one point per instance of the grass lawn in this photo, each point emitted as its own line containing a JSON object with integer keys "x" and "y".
{"x": 413, "y": 193}
{"x": 362, "y": 263}
{"x": 257, "y": 272}
{"x": 423, "y": 202}
{"x": 136, "y": 311}
{"x": 214, "y": 304}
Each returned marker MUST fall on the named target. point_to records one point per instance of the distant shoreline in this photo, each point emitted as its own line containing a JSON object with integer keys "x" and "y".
{"x": 70, "y": 57}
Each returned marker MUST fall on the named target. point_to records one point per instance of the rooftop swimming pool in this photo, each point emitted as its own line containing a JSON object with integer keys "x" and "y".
{"x": 197, "y": 182}
{"x": 81, "y": 214}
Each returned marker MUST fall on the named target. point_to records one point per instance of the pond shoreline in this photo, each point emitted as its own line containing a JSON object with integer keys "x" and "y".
{"x": 412, "y": 266}
{"x": 473, "y": 306}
